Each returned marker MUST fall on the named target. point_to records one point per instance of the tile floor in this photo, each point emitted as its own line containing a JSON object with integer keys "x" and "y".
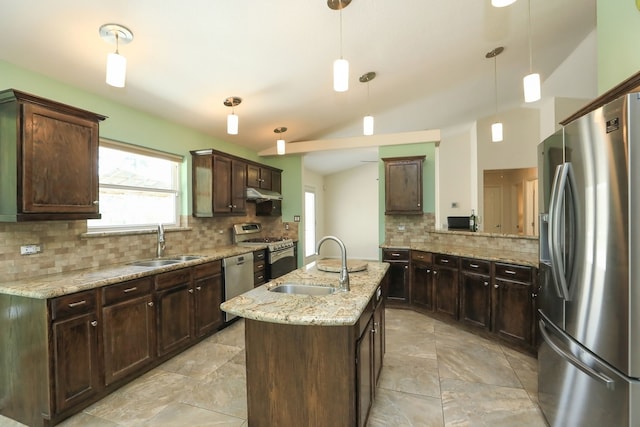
{"x": 433, "y": 375}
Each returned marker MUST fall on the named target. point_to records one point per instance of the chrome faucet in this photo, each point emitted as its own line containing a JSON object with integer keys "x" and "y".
{"x": 343, "y": 280}
{"x": 161, "y": 242}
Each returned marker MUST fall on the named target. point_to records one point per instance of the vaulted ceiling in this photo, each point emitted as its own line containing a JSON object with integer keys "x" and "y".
{"x": 187, "y": 57}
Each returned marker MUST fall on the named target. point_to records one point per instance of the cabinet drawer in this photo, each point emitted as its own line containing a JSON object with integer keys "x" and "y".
{"x": 167, "y": 280}
{"x": 519, "y": 273}
{"x": 446, "y": 260}
{"x": 395, "y": 254}
{"x": 126, "y": 290}
{"x": 420, "y": 256}
{"x": 259, "y": 278}
{"x": 209, "y": 269}
{"x": 475, "y": 266}
{"x": 73, "y": 304}
{"x": 259, "y": 255}
{"x": 259, "y": 266}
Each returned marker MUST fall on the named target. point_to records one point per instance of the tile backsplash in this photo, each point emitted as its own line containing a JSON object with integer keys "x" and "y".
{"x": 66, "y": 246}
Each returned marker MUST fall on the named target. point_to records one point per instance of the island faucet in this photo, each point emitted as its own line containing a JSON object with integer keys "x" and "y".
{"x": 343, "y": 280}
{"x": 161, "y": 242}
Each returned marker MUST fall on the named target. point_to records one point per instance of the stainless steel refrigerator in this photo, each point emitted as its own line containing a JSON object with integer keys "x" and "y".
{"x": 589, "y": 301}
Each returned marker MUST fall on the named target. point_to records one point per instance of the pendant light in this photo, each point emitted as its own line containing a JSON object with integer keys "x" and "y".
{"x": 496, "y": 127}
{"x": 502, "y": 3}
{"x": 367, "y": 122}
{"x": 340, "y": 66}
{"x": 116, "y": 63}
{"x": 232, "y": 119}
{"x": 531, "y": 82}
{"x": 280, "y": 143}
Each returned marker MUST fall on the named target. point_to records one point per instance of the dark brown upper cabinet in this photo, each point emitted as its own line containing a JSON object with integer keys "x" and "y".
{"x": 403, "y": 185}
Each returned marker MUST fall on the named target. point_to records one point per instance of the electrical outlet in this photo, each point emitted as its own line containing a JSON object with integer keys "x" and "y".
{"x": 30, "y": 249}
{"x": 401, "y": 228}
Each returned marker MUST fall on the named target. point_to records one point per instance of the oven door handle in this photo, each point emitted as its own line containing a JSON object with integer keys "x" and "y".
{"x": 278, "y": 255}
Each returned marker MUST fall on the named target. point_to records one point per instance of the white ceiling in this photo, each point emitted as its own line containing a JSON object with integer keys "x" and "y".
{"x": 187, "y": 57}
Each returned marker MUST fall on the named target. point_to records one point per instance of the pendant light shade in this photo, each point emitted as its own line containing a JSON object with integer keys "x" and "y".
{"x": 280, "y": 143}
{"x": 501, "y": 3}
{"x": 116, "y": 63}
{"x": 341, "y": 75}
{"x": 496, "y": 127}
{"x": 340, "y": 66}
{"x": 232, "y": 119}
{"x": 531, "y": 84}
{"x": 116, "y": 70}
{"x": 367, "y": 125}
{"x": 496, "y": 132}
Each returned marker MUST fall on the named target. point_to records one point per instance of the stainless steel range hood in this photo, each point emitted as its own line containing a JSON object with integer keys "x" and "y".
{"x": 261, "y": 194}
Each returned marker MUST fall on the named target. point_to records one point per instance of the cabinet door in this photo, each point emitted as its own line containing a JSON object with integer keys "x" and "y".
{"x": 253, "y": 176}
{"x": 276, "y": 181}
{"x": 403, "y": 186}
{"x": 75, "y": 360}
{"x": 238, "y": 188}
{"x": 208, "y": 297}
{"x": 379, "y": 342}
{"x": 446, "y": 291}
{"x": 422, "y": 286}
{"x": 365, "y": 373}
{"x": 513, "y": 311}
{"x": 174, "y": 318}
{"x": 398, "y": 290}
{"x": 475, "y": 300}
{"x": 59, "y": 162}
{"x": 222, "y": 198}
{"x": 129, "y": 337}
{"x": 202, "y": 181}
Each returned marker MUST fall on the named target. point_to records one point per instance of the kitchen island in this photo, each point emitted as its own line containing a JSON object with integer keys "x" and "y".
{"x": 313, "y": 360}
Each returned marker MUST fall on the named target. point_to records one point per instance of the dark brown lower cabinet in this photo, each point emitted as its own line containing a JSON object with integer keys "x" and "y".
{"x": 398, "y": 286}
{"x": 364, "y": 353}
{"x": 445, "y": 271}
{"x": 475, "y": 293}
{"x": 207, "y": 298}
{"x": 129, "y": 328}
{"x": 174, "y": 291}
{"x": 422, "y": 274}
{"x": 514, "y": 303}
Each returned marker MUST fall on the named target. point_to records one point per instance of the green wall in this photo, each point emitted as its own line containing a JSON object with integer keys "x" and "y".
{"x": 133, "y": 126}
{"x": 618, "y": 47}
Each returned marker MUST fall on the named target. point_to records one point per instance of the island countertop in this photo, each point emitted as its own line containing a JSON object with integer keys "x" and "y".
{"x": 337, "y": 309}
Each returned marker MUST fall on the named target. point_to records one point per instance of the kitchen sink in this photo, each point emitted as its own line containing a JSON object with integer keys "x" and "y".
{"x": 182, "y": 258}
{"x": 155, "y": 262}
{"x": 300, "y": 289}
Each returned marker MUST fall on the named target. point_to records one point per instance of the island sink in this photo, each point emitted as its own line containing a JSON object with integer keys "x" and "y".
{"x": 298, "y": 288}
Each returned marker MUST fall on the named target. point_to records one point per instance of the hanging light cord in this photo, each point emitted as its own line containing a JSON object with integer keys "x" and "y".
{"x": 530, "y": 48}
{"x": 117, "y": 42}
{"x": 495, "y": 79}
{"x": 341, "y": 33}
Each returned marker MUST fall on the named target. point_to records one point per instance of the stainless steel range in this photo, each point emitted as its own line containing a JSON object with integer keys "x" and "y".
{"x": 281, "y": 257}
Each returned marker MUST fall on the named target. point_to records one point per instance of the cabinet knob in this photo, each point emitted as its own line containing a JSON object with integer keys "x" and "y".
{"x": 419, "y": 205}
{"x": 150, "y": 303}
{"x": 234, "y": 206}
{"x": 94, "y": 323}
{"x": 199, "y": 288}
{"x": 96, "y": 202}
{"x": 496, "y": 286}
{"x": 191, "y": 291}
{"x": 406, "y": 267}
{"x": 486, "y": 283}
{"x": 230, "y": 206}
{"x": 428, "y": 271}
{"x": 435, "y": 272}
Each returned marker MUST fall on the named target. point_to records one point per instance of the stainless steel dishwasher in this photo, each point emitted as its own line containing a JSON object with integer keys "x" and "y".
{"x": 238, "y": 277}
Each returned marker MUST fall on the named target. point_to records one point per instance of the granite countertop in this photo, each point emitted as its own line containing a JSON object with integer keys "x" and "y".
{"x": 493, "y": 254}
{"x": 337, "y": 309}
{"x": 55, "y": 285}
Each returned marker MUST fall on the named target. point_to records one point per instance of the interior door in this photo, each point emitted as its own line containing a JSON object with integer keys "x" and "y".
{"x": 492, "y": 209}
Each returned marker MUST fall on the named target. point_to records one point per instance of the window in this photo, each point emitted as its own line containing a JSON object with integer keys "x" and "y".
{"x": 139, "y": 188}
{"x": 309, "y": 223}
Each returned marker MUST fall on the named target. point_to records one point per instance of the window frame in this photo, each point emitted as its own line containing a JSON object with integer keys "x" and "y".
{"x": 148, "y": 152}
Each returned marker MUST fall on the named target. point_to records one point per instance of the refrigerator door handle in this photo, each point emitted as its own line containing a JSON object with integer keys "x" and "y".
{"x": 574, "y": 360}
{"x": 560, "y": 182}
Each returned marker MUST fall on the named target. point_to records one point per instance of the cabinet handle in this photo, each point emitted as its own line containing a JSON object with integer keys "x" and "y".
{"x": 406, "y": 267}
{"x": 486, "y": 283}
{"x": 510, "y": 272}
{"x": 260, "y": 277}
{"x": 75, "y": 304}
{"x": 230, "y": 206}
{"x": 474, "y": 265}
{"x": 395, "y": 254}
{"x": 94, "y": 323}
{"x": 234, "y": 206}
{"x": 126, "y": 291}
{"x": 199, "y": 288}
{"x": 150, "y": 303}
{"x": 428, "y": 271}
{"x": 435, "y": 272}
{"x": 96, "y": 202}
{"x": 191, "y": 291}
{"x": 444, "y": 260}
{"x": 496, "y": 286}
